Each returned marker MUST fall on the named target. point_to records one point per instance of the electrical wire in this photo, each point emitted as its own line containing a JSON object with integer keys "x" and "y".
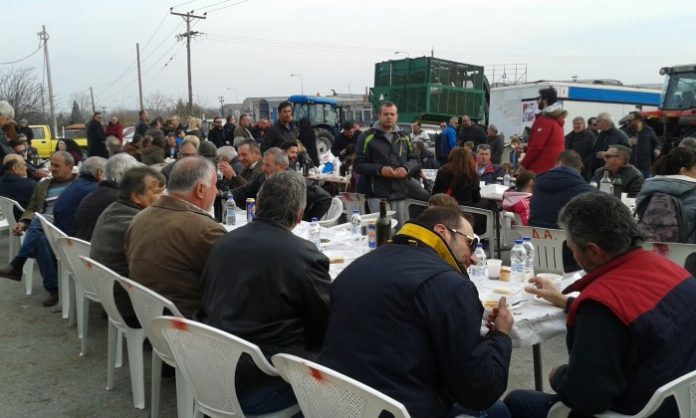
{"x": 184, "y": 3}
{"x": 25, "y": 58}
{"x": 225, "y": 7}
{"x": 156, "y": 30}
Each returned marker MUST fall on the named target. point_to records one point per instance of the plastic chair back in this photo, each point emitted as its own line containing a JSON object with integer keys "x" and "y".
{"x": 103, "y": 279}
{"x": 52, "y": 234}
{"x": 350, "y": 201}
{"x": 332, "y": 215}
{"x": 488, "y": 233}
{"x": 208, "y": 360}
{"x": 149, "y": 305}
{"x": 679, "y": 253}
{"x": 322, "y": 392}
{"x": 548, "y": 247}
{"x": 72, "y": 249}
{"x": 7, "y": 207}
{"x": 682, "y": 389}
{"x": 415, "y": 208}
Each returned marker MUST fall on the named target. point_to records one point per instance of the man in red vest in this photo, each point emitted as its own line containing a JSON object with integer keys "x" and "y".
{"x": 631, "y": 329}
{"x": 547, "y": 139}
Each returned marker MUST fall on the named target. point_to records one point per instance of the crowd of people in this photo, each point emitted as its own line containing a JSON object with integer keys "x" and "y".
{"x": 404, "y": 318}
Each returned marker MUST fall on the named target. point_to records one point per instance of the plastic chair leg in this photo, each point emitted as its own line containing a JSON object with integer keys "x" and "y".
{"x": 64, "y": 291}
{"x": 72, "y": 316}
{"x": 134, "y": 342}
{"x": 111, "y": 355}
{"x": 28, "y": 271}
{"x": 119, "y": 349}
{"x": 83, "y": 323}
{"x": 184, "y": 396}
{"x": 197, "y": 412}
{"x": 155, "y": 385}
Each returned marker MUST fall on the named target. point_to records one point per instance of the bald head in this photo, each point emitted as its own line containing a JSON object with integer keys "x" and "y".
{"x": 15, "y": 164}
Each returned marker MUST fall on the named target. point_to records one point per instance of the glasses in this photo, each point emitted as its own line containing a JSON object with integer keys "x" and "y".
{"x": 473, "y": 241}
{"x": 609, "y": 156}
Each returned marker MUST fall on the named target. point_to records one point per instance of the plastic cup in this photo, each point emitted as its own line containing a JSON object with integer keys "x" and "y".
{"x": 494, "y": 268}
{"x": 482, "y": 184}
{"x": 554, "y": 278}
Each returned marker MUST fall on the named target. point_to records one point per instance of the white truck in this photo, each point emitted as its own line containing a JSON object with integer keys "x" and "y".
{"x": 512, "y": 108}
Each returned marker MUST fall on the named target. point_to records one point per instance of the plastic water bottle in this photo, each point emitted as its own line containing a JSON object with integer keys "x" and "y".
{"x": 231, "y": 211}
{"x": 355, "y": 223}
{"x": 506, "y": 180}
{"x": 605, "y": 184}
{"x": 518, "y": 260}
{"x": 315, "y": 232}
{"x": 529, "y": 265}
{"x": 481, "y": 269}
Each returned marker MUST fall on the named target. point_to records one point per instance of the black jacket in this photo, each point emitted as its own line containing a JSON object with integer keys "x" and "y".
{"x": 27, "y": 131}
{"x": 628, "y": 180}
{"x": 280, "y": 304}
{"x": 341, "y": 143}
{"x": 141, "y": 127}
{"x": 96, "y": 140}
{"x": 472, "y": 133}
{"x": 92, "y": 207}
{"x": 217, "y": 137}
{"x": 552, "y": 190}
{"x": 497, "y": 144}
{"x": 276, "y": 135}
{"x": 581, "y": 143}
{"x": 373, "y": 152}
{"x": 613, "y": 136}
{"x": 643, "y": 153}
{"x": 17, "y": 188}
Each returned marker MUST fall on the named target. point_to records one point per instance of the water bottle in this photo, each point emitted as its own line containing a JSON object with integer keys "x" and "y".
{"x": 518, "y": 260}
{"x": 315, "y": 232}
{"x": 481, "y": 269}
{"x": 605, "y": 184}
{"x": 529, "y": 265}
{"x": 506, "y": 180}
{"x": 355, "y": 223}
{"x": 231, "y": 211}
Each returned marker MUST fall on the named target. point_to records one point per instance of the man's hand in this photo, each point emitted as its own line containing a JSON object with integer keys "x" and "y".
{"x": 545, "y": 289}
{"x": 400, "y": 173}
{"x": 501, "y": 318}
{"x": 388, "y": 172}
{"x": 18, "y": 229}
{"x": 632, "y": 141}
{"x": 227, "y": 170}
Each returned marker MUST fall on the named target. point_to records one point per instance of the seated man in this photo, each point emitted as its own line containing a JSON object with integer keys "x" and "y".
{"x": 487, "y": 171}
{"x": 631, "y": 329}
{"x": 250, "y": 157}
{"x": 280, "y": 304}
{"x": 94, "y": 203}
{"x": 625, "y": 177}
{"x": 274, "y": 161}
{"x": 138, "y": 188}
{"x": 188, "y": 148}
{"x": 298, "y": 159}
{"x": 14, "y": 183}
{"x": 406, "y": 320}
{"x": 167, "y": 244}
{"x": 42, "y": 201}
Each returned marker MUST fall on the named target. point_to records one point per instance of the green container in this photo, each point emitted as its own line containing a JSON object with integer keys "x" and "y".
{"x": 430, "y": 89}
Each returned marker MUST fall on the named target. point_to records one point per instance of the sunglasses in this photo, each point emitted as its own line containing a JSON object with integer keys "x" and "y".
{"x": 473, "y": 241}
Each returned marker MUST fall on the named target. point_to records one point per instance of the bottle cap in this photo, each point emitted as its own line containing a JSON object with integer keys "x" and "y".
{"x": 526, "y": 238}
{"x": 315, "y": 219}
{"x": 479, "y": 245}
{"x": 518, "y": 241}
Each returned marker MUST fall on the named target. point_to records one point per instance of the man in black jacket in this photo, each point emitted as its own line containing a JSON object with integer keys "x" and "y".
{"x": 217, "y": 134}
{"x": 14, "y": 184}
{"x": 581, "y": 141}
{"x": 282, "y": 130}
{"x": 497, "y": 143}
{"x": 96, "y": 138}
{"x": 608, "y": 135}
{"x": 280, "y": 304}
{"x": 469, "y": 131}
{"x": 406, "y": 320}
{"x": 143, "y": 123}
{"x": 645, "y": 147}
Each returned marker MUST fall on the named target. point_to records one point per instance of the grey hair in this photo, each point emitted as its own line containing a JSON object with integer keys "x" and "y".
{"x": 579, "y": 119}
{"x": 605, "y": 117}
{"x": 113, "y": 145}
{"x": 623, "y": 151}
{"x": 493, "y": 128}
{"x": 483, "y": 147}
{"x": 67, "y": 157}
{"x": 602, "y": 219}
{"x": 688, "y": 142}
{"x": 282, "y": 198}
{"x": 117, "y": 166}
{"x": 453, "y": 119}
{"x": 6, "y": 109}
{"x": 92, "y": 166}
{"x": 278, "y": 156}
{"x": 226, "y": 153}
{"x": 188, "y": 172}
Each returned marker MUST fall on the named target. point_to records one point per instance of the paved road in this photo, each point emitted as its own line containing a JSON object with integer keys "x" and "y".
{"x": 41, "y": 373}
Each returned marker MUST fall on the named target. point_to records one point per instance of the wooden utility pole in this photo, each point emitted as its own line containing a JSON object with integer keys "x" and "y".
{"x": 91, "y": 95}
{"x": 140, "y": 80}
{"x": 188, "y": 34}
{"x": 43, "y": 35}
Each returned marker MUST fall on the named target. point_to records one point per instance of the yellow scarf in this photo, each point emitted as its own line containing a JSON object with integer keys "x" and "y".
{"x": 433, "y": 240}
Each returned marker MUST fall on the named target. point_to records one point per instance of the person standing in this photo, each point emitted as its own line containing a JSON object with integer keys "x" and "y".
{"x": 345, "y": 141}
{"x": 229, "y": 130}
{"x": 282, "y": 130}
{"x": 24, "y": 128}
{"x": 497, "y": 143}
{"x": 645, "y": 147}
{"x": 217, "y": 135}
{"x": 384, "y": 160}
{"x": 143, "y": 123}
{"x": 114, "y": 128}
{"x": 608, "y": 135}
{"x": 546, "y": 140}
{"x": 449, "y": 139}
{"x": 469, "y": 131}
{"x": 96, "y": 139}
{"x": 242, "y": 130}
{"x": 581, "y": 141}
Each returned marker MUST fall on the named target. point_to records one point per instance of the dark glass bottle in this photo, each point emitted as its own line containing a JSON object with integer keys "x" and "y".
{"x": 383, "y": 224}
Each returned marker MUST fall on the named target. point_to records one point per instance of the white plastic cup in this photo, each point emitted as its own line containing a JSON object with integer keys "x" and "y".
{"x": 554, "y": 278}
{"x": 482, "y": 184}
{"x": 494, "y": 268}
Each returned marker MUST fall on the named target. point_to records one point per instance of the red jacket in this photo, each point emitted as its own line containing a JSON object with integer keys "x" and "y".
{"x": 115, "y": 130}
{"x": 546, "y": 141}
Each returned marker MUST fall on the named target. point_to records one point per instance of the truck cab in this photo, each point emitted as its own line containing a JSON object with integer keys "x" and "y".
{"x": 46, "y": 144}
{"x": 676, "y": 117}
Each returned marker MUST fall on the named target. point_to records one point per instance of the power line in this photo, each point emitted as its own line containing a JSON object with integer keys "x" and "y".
{"x": 22, "y": 59}
{"x": 225, "y": 7}
{"x": 184, "y": 3}
{"x": 200, "y": 9}
{"x": 155, "y": 32}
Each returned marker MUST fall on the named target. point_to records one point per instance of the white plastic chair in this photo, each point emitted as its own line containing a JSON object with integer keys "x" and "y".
{"x": 490, "y": 233}
{"x": 674, "y": 251}
{"x": 323, "y": 392}
{"x": 208, "y": 359}
{"x": 330, "y": 218}
{"x": 682, "y": 389}
{"x": 103, "y": 280}
{"x": 67, "y": 295}
{"x": 548, "y": 247}
{"x": 148, "y": 305}
{"x": 30, "y": 267}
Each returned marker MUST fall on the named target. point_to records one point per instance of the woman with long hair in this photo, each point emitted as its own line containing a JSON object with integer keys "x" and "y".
{"x": 69, "y": 145}
{"x": 459, "y": 178}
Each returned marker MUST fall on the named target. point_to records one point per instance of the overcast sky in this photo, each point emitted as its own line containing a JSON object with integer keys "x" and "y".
{"x": 251, "y": 49}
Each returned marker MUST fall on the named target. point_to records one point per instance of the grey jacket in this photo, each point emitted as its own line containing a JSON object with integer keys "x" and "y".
{"x": 680, "y": 187}
{"x": 109, "y": 235}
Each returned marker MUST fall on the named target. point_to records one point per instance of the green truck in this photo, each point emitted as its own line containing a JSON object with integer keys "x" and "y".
{"x": 432, "y": 89}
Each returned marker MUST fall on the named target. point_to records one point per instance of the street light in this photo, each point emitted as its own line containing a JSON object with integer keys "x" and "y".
{"x": 402, "y": 52}
{"x": 301, "y": 82}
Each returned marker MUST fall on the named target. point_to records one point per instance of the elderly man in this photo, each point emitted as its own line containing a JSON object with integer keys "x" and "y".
{"x": 630, "y": 330}
{"x": 415, "y": 291}
{"x": 275, "y": 160}
{"x": 188, "y": 148}
{"x": 14, "y": 184}
{"x": 487, "y": 171}
{"x": 230, "y": 166}
{"x": 280, "y": 304}
{"x": 449, "y": 139}
{"x": 7, "y": 113}
{"x": 94, "y": 203}
{"x": 250, "y": 156}
{"x": 608, "y": 135}
{"x": 167, "y": 244}
{"x": 242, "y": 130}
{"x": 546, "y": 140}
{"x": 138, "y": 188}
{"x": 496, "y": 142}
{"x": 470, "y": 131}
{"x": 580, "y": 140}
{"x": 625, "y": 177}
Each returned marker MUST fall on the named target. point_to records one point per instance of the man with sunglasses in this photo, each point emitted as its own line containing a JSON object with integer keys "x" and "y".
{"x": 405, "y": 319}
{"x": 625, "y": 177}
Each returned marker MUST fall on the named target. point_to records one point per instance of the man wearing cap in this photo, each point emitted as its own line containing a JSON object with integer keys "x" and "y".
{"x": 608, "y": 135}
{"x": 546, "y": 140}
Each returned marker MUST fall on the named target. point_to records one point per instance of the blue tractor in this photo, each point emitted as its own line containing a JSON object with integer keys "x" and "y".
{"x": 323, "y": 112}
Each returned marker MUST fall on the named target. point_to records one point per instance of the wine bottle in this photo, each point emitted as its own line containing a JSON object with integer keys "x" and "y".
{"x": 383, "y": 224}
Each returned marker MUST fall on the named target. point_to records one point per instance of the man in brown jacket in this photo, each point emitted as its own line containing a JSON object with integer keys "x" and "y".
{"x": 167, "y": 244}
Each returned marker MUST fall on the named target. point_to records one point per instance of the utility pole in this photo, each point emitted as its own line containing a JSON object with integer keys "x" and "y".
{"x": 43, "y": 35}
{"x": 103, "y": 109}
{"x": 91, "y": 94}
{"x": 222, "y": 106}
{"x": 188, "y": 34}
{"x": 140, "y": 80}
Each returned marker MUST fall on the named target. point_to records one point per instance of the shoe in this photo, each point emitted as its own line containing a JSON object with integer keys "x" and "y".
{"x": 51, "y": 300}
{"x": 9, "y": 272}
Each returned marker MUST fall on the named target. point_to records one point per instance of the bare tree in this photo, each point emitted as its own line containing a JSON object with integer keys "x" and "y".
{"x": 84, "y": 106}
{"x": 19, "y": 87}
{"x": 158, "y": 104}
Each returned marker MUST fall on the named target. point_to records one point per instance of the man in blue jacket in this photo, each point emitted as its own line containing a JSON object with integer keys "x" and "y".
{"x": 406, "y": 320}
{"x": 449, "y": 138}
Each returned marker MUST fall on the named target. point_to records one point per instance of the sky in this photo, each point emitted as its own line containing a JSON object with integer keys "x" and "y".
{"x": 250, "y": 48}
